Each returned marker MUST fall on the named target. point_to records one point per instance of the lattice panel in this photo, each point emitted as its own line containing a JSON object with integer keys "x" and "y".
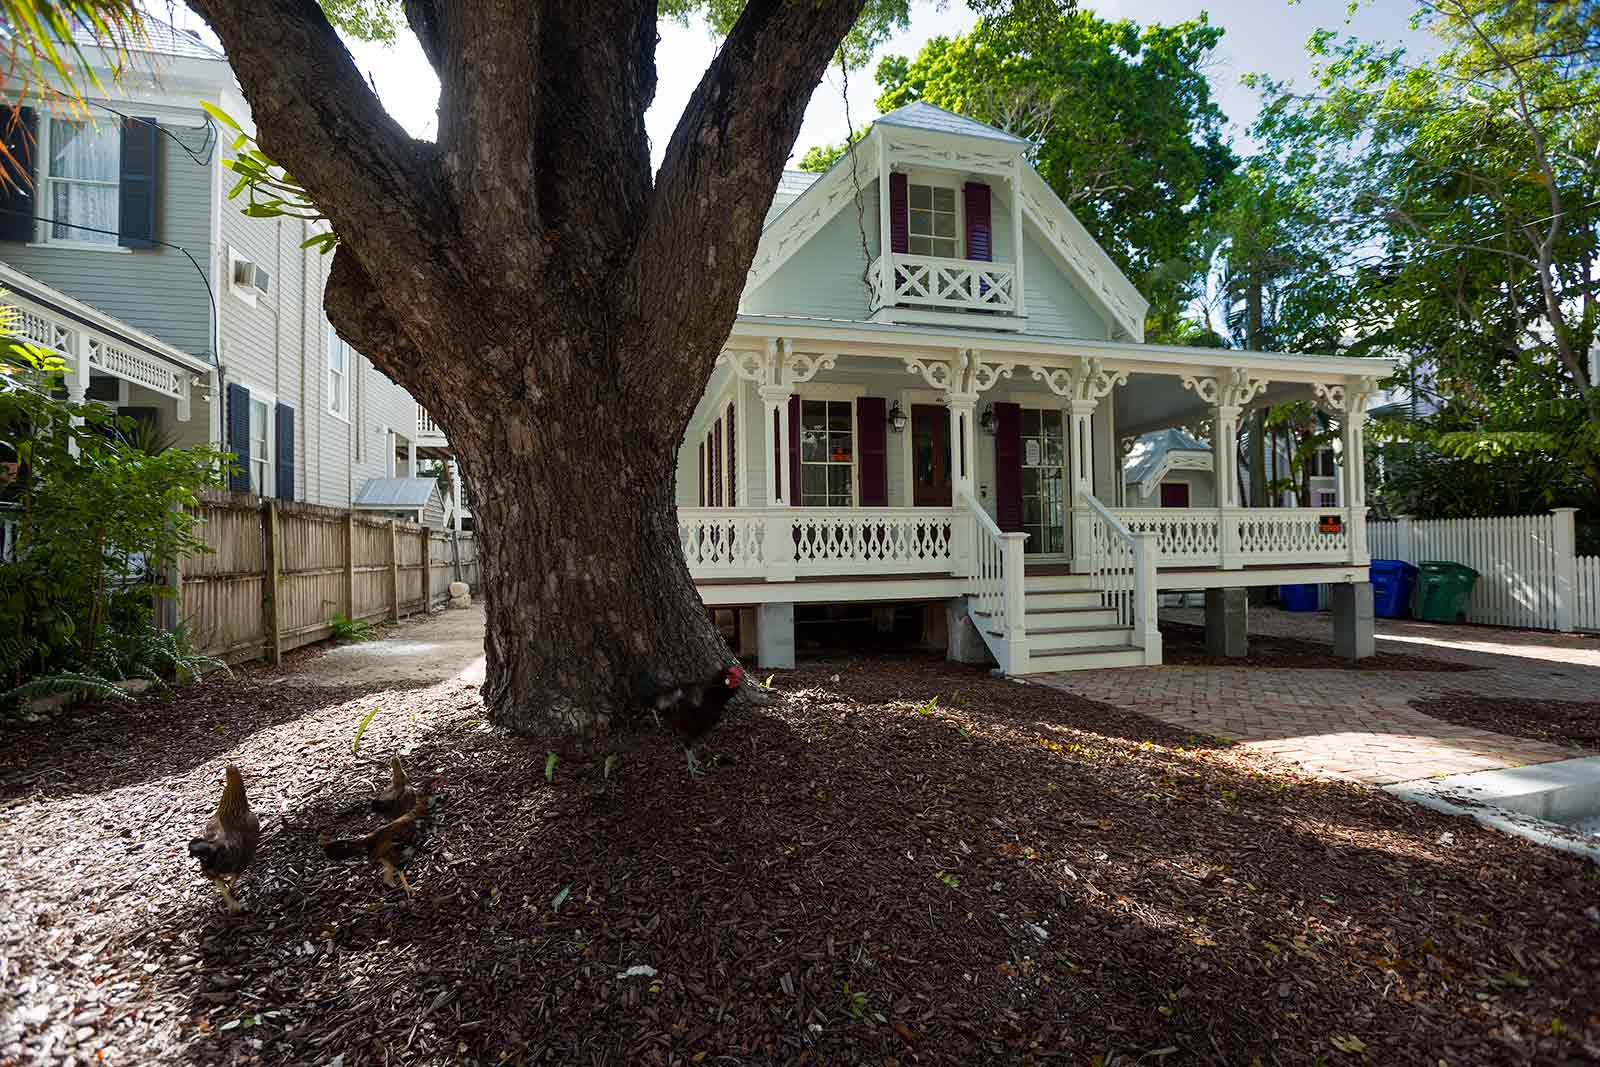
{"x": 142, "y": 370}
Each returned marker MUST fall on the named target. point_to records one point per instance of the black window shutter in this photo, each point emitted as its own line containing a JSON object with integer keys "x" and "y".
{"x": 18, "y": 200}
{"x": 136, "y": 217}
{"x": 239, "y": 436}
{"x": 285, "y": 452}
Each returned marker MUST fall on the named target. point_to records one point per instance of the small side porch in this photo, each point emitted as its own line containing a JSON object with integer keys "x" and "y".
{"x": 869, "y": 466}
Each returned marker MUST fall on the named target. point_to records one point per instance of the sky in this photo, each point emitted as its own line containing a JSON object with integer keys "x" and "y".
{"x": 1265, "y": 36}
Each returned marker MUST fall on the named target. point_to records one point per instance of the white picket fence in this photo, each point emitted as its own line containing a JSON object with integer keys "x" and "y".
{"x": 1587, "y": 616}
{"x": 1528, "y": 572}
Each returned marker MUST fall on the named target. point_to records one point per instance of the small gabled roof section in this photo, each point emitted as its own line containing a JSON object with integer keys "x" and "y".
{"x": 1152, "y": 448}
{"x": 919, "y": 115}
{"x": 395, "y": 494}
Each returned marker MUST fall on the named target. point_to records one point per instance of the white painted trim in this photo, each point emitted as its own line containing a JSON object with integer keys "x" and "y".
{"x": 246, "y": 294}
{"x": 331, "y": 339}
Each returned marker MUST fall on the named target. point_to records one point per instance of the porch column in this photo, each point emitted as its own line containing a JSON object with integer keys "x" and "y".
{"x": 78, "y": 378}
{"x": 1078, "y": 416}
{"x": 411, "y": 457}
{"x": 775, "y": 432}
{"x": 1349, "y": 402}
{"x": 1225, "y": 453}
{"x": 963, "y": 446}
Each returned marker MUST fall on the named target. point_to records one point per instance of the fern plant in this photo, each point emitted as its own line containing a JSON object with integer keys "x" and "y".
{"x": 346, "y": 629}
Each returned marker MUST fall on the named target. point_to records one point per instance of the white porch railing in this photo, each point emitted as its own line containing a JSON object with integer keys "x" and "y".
{"x": 1122, "y": 567}
{"x": 426, "y": 427}
{"x": 997, "y": 572}
{"x": 945, "y": 284}
{"x": 783, "y": 543}
{"x": 1237, "y": 537}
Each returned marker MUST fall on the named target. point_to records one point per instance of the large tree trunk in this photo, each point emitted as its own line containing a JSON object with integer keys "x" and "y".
{"x": 554, "y": 304}
{"x": 583, "y": 579}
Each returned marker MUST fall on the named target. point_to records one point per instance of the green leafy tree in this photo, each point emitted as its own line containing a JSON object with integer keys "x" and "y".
{"x": 1125, "y": 128}
{"x": 1470, "y": 186}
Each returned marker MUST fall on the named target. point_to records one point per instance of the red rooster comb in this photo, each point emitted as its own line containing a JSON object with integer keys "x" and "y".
{"x": 735, "y": 676}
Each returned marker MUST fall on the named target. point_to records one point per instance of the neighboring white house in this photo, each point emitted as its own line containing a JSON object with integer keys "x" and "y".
{"x": 1169, "y": 469}
{"x": 121, "y": 250}
{"x": 920, "y": 403}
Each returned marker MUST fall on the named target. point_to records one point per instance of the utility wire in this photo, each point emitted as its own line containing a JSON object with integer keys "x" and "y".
{"x": 211, "y": 296}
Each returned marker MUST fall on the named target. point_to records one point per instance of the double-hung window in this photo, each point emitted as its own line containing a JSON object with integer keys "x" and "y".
{"x": 933, "y": 221}
{"x": 827, "y": 454}
{"x": 81, "y": 180}
{"x": 338, "y": 376}
{"x": 260, "y": 446}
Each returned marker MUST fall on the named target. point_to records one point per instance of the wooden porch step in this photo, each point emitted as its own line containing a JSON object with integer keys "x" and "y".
{"x": 1043, "y": 631}
{"x": 1087, "y": 658}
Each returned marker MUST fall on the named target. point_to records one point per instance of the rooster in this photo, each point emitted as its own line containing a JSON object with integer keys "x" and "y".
{"x": 391, "y": 847}
{"x": 399, "y": 798}
{"x": 228, "y": 843}
{"x": 692, "y": 708}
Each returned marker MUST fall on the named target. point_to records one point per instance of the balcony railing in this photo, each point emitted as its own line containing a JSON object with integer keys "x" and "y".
{"x": 945, "y": 284}
{"x": 426, "y": 427}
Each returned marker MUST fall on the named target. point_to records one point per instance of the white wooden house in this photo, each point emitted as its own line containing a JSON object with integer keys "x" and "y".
{"x": 920, "y": 402}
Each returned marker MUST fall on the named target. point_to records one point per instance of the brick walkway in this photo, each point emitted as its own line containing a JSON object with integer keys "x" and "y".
{"x": 1359, "y": 725}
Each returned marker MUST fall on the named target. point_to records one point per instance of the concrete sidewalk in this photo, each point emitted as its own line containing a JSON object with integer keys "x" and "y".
{"x": 421, "y": 650}
{"x": 1360, "y": 725}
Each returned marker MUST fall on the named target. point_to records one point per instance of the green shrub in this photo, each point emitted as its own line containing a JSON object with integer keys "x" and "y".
{"x": 351, "y": 629}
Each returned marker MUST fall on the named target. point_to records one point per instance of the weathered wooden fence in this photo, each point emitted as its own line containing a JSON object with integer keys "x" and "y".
{"x": 1528, "y": 570}
{"x": 279, "y": 573}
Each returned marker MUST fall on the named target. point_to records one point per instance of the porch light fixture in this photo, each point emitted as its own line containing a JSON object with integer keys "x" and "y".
{"x": 897, "y": 418}
{"x": 989, "y": 422}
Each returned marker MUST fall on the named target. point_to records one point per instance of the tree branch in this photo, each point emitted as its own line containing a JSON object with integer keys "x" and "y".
{"x": 319, "y": 118}
{"x": 725, "y": 158}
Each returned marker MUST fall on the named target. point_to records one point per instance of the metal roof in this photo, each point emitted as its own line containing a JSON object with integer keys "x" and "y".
{"x": 1151, "y": 448}
{"x": 919, "y": 115}
{"x": 155, "y": 37}
{"x": 790, "y": 186}
{"x": 395, "y": 494}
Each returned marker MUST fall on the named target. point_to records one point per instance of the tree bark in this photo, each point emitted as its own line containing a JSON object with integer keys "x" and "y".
{"x": 556, "y": 310}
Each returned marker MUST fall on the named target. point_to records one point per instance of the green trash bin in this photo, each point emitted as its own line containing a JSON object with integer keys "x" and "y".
{"x": 1442, "y": 590}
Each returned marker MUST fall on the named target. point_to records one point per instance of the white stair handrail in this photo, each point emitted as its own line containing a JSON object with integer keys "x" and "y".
{"x": 1122, "y": 569}
{"x": 998, "y": 589}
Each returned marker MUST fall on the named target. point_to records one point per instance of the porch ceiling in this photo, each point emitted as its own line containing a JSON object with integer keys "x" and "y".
{"x": 1157, "y": 401}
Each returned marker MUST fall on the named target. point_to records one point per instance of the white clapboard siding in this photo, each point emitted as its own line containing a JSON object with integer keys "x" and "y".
{"x": 1525, "y": 567}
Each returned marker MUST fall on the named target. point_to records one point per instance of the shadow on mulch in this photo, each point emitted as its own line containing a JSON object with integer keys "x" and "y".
{"x": 106, "y": 745}
{"x": 1010, "y": 874}
{"x": 1573, "y": 723}
{"x": 1184, "y": 645}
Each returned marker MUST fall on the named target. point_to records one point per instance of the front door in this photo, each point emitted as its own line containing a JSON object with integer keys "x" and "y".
{"x": 1044, "y": 512}
{"x": 930, "y": 456}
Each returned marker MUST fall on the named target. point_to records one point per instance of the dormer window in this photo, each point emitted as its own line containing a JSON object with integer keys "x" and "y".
{"x": 934, "y": 225}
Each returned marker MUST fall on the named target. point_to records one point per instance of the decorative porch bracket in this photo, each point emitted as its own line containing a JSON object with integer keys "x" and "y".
{"x": 1083, "y": 383}
{"x": 1228, "y": 391}
{"x": 1349, "y": 401}
{"x": 776, "y": 371}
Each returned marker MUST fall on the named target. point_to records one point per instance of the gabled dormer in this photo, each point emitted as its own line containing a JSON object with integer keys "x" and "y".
{"x": 975, "y": 238}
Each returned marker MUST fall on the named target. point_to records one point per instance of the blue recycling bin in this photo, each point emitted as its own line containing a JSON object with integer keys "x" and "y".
{"x": 1392, "y": 580}
{"x": 1298, "y": 597}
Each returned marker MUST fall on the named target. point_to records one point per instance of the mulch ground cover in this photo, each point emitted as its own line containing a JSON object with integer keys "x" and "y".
{"x": 1574, "y": 723}
{"x": 1184, "y": 645}
{"x": 864, "y": 875}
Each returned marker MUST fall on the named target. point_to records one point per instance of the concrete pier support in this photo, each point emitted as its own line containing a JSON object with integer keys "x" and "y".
{"x": 1353, "y": 626}
{"x": 965, "y": 642}
{"x": 775, "y": 636}
{"x": 1227, "y": 622}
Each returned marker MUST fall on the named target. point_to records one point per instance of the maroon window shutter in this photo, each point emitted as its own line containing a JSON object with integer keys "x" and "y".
{"x": 980, "y": 232}
{"x": 716, "y": 463}
{"x": 872, "y": 433}
{"x": 700, "y": 465}
{"x": 899, "y": 216}
{"x": 794, "y": 450}
{"x": 733, "y": 462}
{"x": 1008, "y": 467}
